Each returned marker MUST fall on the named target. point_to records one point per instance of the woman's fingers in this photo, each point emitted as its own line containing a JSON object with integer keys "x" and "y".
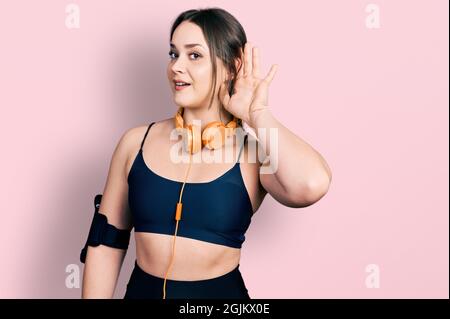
{"x": 255, "y": 59}
{"x": 271, "y": 74}
{"x": 251, "y": 64}
{"x": 247, "y": 59}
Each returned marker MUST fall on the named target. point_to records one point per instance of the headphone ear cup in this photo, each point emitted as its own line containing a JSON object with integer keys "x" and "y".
{"x": 186, "y": 136}
{"x": 196, "y": 143}
{"x": 213, "y": 136}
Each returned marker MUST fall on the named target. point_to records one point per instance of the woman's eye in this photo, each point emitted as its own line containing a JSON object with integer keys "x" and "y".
{"x": 170, "y": 54}
{"x": 197, "y": 55}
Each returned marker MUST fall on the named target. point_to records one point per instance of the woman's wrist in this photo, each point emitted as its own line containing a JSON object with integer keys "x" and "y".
{"x": 256, "y": 114}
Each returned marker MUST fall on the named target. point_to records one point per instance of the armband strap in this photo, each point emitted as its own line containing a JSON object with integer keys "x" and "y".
{"x": 102, "y": 233}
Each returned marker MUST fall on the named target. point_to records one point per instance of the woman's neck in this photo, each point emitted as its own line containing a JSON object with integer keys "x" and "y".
{"x": 205, "y": 116}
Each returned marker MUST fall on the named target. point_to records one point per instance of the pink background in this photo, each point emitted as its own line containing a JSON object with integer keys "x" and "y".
{"x": 373, "y": 102}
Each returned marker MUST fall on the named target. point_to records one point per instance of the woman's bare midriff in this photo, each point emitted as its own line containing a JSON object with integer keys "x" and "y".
{"x": 193, "y": 259}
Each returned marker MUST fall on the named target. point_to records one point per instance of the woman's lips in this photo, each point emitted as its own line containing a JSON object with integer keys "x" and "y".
{"x": 181, "y": 87}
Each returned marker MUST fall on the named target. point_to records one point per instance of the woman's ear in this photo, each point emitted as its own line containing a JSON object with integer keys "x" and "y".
{"x": 237, "y": 64}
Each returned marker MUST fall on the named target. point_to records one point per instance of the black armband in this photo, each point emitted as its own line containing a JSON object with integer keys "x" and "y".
{"x": 102, "y": 233}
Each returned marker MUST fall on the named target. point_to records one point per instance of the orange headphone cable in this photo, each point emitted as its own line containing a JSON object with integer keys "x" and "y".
{"x": 177, "y": 218}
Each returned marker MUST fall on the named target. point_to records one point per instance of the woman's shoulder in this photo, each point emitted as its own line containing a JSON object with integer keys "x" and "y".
{"x": 134, "y": 135}
{"x": 132, "y": 138}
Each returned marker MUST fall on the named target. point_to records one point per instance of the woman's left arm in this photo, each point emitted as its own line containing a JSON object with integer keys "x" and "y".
{"x": 300, "y": 175}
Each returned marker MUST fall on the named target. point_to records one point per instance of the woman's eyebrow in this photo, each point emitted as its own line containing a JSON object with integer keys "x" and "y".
{"x": 189, "y": 45}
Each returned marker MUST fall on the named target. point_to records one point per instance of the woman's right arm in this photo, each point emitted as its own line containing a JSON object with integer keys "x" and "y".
{"x": 103, "y": 263}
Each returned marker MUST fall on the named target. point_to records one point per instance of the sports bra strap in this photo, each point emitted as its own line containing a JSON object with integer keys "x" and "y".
{"x": 242, "y": 147}
{"x": 142, "y": 144}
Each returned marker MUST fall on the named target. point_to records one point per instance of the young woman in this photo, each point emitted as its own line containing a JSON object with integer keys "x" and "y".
{"x": 190, "y": 217}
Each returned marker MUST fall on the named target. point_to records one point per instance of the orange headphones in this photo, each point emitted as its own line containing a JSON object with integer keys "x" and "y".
{"x": 213, "y": 137}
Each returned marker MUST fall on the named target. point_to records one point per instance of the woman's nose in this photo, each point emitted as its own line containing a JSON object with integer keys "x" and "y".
{"x": 178, "y": 65}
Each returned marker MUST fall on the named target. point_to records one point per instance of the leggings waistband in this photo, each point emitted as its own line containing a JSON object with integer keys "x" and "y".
{"x": 145, "y": 285}
{"x": 235, "y": 273}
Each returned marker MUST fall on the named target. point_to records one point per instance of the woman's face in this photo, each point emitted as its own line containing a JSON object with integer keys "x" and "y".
{"x": 190, "y": 62}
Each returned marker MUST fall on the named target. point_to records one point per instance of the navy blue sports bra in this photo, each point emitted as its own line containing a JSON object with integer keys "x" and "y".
{"x": 218, "y": 211}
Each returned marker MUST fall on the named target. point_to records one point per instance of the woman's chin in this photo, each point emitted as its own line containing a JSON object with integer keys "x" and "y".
{"x": 181, "y": 102}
